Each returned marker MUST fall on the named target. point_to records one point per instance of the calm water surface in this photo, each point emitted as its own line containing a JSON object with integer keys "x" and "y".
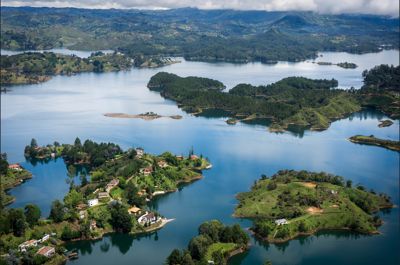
{"x": 66, "y": 107}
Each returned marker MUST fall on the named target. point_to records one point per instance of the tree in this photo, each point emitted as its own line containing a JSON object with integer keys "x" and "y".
{"x": 3, "y": 164}
{"x": 32, "y": 214}
{"x": 218, "y": 258}
{"x": 57, "y": 211}
{"x": 73, "y": 198}
{"x": 271, "y": 185}
{"x": 77, "y": 142}
{"x": 198, "y": 246}
{"x": 175, "y": 258}
{"x": 17, "y": 221}
{"x": 349, "y": 183}
{"x": 212, "y": 229}
{"x": 120, "y": 218}
{"x": 34, "y": 143}
{"x": 187, "y": 259}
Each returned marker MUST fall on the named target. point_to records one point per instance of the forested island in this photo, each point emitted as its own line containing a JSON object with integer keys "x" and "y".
{"x": 292, "y": 203}
{"x": 205, "y": 35}
{"x": 372, "y": 140}
{"x": 215, "y": 244}
{"x": 310, "y": 103}
{"x": 113, "y": 197}
{"x": 32, "y": 68}
{"x": 11, "y": 175}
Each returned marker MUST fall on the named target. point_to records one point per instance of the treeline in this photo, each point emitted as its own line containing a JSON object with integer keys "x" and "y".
{"x": 213, "y": 241}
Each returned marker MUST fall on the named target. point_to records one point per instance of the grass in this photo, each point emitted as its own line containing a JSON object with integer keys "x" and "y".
{"x": 219, "y": 247}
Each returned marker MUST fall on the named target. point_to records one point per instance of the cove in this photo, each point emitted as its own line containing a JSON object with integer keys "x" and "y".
{"x": 67, "y": 107}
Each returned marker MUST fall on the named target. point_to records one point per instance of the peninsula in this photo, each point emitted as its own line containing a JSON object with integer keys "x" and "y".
{"x": 372, "y": 140}
{"x": 113, "y": 197}
{"x": 293, "y": 203}
{"x": 214, "y": 244}
{"x": 148, "y": 116}
{"x": 308, "y": 103}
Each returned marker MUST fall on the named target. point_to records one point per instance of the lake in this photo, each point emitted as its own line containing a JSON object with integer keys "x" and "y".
{"x": 66, "y": 107}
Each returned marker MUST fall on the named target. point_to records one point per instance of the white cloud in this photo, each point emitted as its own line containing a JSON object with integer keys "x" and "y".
{"x": 378, "y": 7}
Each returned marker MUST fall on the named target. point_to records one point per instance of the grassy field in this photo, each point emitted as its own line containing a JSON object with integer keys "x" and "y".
{"x": 219, "y": 247}
{"x": 308, "y": 206}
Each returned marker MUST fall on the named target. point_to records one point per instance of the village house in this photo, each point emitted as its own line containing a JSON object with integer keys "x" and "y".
{"x": 179, "y": 157}
{"x": 93, "y": 224}
{"x": 16, "y": 167}
{"x": 147, "y": 171}
{"x": 82, "y": 214}
{"x": 93, "y": 202}
{"x": 46, "y": 251}
{"x": 147, "y": 218}
{"x": 139, "y": 152}
{"x": 27, "y": 244}
{"x": 103, "y": 195}
{"x": 134, "y": 210}
{"x": 44, "y": 238}
{"x": 113, "y": 183}
{"x": 282, "y": 221}
{"x": 193, "y": 157}
{"x": 162, "y": 164}
{"x": 81, "y": 206}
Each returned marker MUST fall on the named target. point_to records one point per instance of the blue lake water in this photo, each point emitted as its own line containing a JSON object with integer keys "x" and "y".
{"x": 67, "y": 107}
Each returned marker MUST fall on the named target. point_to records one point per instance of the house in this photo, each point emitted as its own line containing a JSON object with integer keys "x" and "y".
{"x": 113, "y": 183}
{"x": 81, "y": 206}
{"x": 82, "y": 214}
{"x": 193, "y": 157}
{"x": 93, "y": 202}
{"x": 147, "y": 218}
{"x": 46, "y": 251}
{"x": 103, "y": 195}
{"x": 16, "y": 167}
{"x": 162, "y": 164}
{"x": 147, "y": 171}
{"x": 134, "y": 210}
{"x": 139, "y": 152}
{"x": 179, "y": 157}
{"x": 45, "y": 238}
{"x": 93, "y": 225}
{"x": 282, "y": 221}
{"x": 27, "y": 244}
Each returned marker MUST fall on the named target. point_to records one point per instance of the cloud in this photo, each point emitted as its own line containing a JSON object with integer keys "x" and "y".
{"x": 378, "y": 7}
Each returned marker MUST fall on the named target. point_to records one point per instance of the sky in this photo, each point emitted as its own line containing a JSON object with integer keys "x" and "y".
{"x": 377, "y": 7}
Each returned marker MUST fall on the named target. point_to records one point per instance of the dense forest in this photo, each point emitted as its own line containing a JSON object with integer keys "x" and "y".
{"x": 209, "y": 35}
{"x": 38, "y": 67}
{"x": 215, "y": 243}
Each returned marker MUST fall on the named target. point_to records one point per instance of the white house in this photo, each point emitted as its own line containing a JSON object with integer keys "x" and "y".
{"x": 27, "y": 244}
{"x": 282, "y": 221}
{"x": 139, "y": 152}
{"x": 45, "y": 238}
{"x": 147, "y": 218}
{"x": 46, "y": 251}
{"x": 93, "y": 202}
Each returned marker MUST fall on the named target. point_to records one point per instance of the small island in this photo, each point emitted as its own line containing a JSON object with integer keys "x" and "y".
{"x": 372, "y": 140}
{"x": 112, "y": 197}
{"x": 293, "y": 203}
{"x": 11, "y": 175}
{"x": 148, "y": 116}
{"x": 345, "y": 65}
{"x": 385, "y": 123}
{"x": 215, "y": 244}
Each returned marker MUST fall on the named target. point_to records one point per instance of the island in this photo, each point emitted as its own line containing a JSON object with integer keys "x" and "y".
{"x": 112, "y": 197}
{"x": 385, "y": 123}
{"x": 36, "y": 67}
{"x": 11, "y": 175}
{"x": 148, "y": 116}
{"x": 308, "y": 103}
{"x": 372, "y": 140}
{"x": 347, "y": 65}
{"x": 292, "y": 203}
{"x": 214, "y": 244}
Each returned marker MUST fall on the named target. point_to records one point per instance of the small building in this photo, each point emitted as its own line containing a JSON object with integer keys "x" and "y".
{"x": 147, "y": 218}
{"x": 82, "y": 214}
{"x": 103, "y": 195}
{"x": 45, "y": 238}
{"x": 113, "y": 183}
{"x": 162, "y": 164}
{"x": 147, "y": 171}
{"x": 46, "y": 251}
{"x": 93, "y": 202}
{"x": 81, "y": 206}
{"x": 139, "y": 152}
{"x": 194, "y": 157}
{"x": 179, "y": 157}
{"x": 93, "y": 224}
{"x": 282, "y": 221}
{"x": 134, "y": 210}
{"x": 334, "y": 192}
{"x": 27, "y": 244}
{"x": 15, "y": 166}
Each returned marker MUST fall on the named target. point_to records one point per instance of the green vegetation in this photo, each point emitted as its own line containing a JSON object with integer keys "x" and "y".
{"x": 372, "y": 140}
{"x": 291, "y": 203}
{"x": 28, "y": 68}
{"x": 385, "y": 123}
{"x": 215, "y": 242}
{"x": 10, "y": 176}
{"x": 293, "y": 100}
{"x": 207, "y": 35}
{"x": 347, "y": 65}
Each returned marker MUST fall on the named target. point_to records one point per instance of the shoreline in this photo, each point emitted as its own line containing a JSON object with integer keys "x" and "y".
{"x": 141, "y": 116}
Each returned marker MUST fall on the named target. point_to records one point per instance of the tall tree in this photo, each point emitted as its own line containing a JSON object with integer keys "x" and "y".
{"x": 32, "y": 214}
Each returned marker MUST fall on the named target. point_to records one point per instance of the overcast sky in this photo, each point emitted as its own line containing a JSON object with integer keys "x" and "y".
{"x": 379, "y": 7}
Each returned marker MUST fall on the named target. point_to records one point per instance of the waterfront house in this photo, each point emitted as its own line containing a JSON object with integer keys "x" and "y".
{"x": 15, "y": 167}
{"x": 46, "y": 251}
{"x": 282, "y": 221}
{"x": 179, "y": 157}
{"x": 45, "y": 238}
{"x": 93, "y": 202}
{"x": 193, "y": 157}
{"x": 27, "y": 244}
{"x": 147, "y": 171}
{"x": 147, "y": 218}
